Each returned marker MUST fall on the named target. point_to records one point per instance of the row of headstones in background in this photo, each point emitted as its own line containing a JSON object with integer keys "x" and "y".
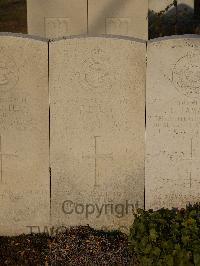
{"x": 97, "y": 136}
{"x": 50, "y": 18}
{"x": 184, "y": 6}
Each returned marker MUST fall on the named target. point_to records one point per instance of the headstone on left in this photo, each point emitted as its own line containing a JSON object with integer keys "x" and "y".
{"x": 24, "y": 134}
{"x": 57, "y": 18}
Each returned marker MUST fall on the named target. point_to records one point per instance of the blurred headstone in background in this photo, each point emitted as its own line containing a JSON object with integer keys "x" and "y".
{"x": 164, "y": 17}
{"x": 51, "y": 19}
{"x": 118, "y": 17}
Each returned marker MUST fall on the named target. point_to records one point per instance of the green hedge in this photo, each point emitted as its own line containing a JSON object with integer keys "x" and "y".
{"x": 167, "y": 237}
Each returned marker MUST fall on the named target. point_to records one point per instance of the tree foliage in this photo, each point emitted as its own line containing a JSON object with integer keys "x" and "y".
{"x": 174, "y": 20}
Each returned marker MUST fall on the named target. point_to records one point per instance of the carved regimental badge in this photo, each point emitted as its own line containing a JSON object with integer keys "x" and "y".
{"x": 186, "y": 75}
{"x": 98, "y": 70}
{"x": 8, "y": 73}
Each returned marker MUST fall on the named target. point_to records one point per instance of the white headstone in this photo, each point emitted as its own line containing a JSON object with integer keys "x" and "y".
{"x": 97, "y": 130}
{"x": 57, "y": 18}
{"x": 173, "y": 135}
{"x": 119, "y": 17}
{"x": 24, "y": 152}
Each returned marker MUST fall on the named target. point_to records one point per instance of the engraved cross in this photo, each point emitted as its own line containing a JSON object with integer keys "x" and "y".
{"x": 2, "y": 156}
{"x": 191, "y": 159}
{"x": 97, "y": 156}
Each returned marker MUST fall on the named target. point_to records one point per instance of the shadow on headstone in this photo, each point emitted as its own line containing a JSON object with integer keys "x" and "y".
{"x": 118, "y": 17}
{"x": 113, "y": 5}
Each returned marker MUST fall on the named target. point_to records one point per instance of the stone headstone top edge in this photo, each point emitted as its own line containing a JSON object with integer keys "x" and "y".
{"x": 106, "y": 36}
{"x": 174, "y": 37}
{"x": 22, "y": 35}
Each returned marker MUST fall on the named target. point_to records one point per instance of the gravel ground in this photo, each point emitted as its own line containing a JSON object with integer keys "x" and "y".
{"x": 75, "y": 246}
{"x": 24, "y": 250}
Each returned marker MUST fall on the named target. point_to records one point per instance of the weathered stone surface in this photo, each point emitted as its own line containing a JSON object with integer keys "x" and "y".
{"x": 24, "y": 153}
{"x": 97, "y": 130}
{"x": 57, "y": 18}
{"x": 118, "y": 17}
{"x": 173, "y": 120}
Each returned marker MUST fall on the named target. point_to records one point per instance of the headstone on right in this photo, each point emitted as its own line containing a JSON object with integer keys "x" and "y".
{"x": 173, "y": 122}
{"x": 57, "y": 18}
{"x": 118, "y": 17}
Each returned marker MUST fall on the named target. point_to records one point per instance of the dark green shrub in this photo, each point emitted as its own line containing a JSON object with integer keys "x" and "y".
{"x": 172, "y": 21}
{"x": 167, "y": 237}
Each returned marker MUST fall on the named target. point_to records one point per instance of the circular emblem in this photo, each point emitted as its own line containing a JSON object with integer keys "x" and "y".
{"x": 8, "y": 73}
{"x": 96, "y": 74}
{"x": 97, "y": 70}
{"x": 186, "y": 75}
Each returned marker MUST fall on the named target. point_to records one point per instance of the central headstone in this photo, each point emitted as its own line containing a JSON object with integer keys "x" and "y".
{"x": 97, "y": 91}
